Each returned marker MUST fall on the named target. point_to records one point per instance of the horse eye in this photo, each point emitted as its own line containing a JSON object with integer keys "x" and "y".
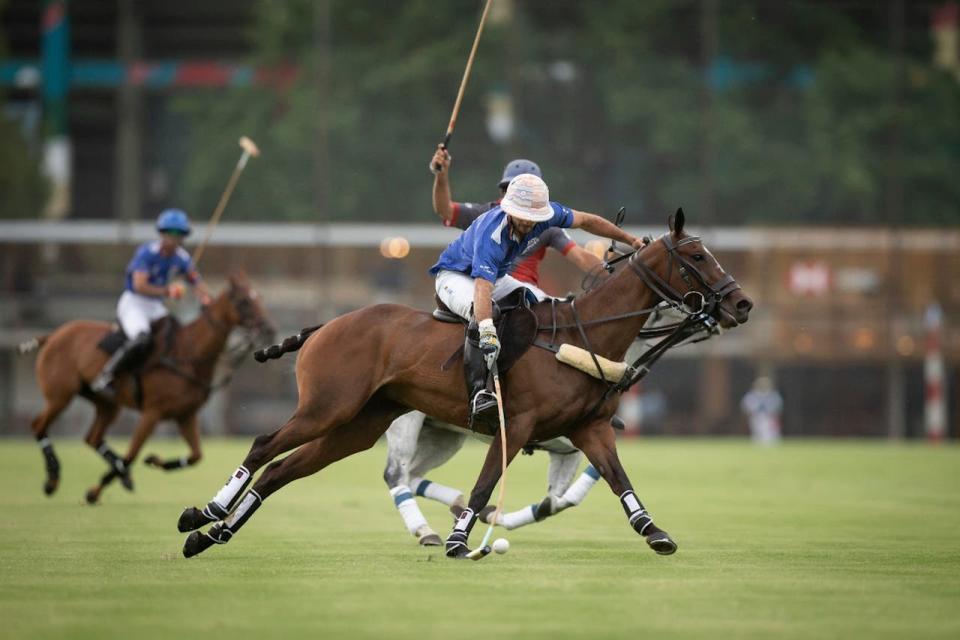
{"x": 698, "y": 257}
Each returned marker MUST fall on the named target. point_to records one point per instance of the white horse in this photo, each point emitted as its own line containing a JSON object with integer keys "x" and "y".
{"x": 417, "y": 444}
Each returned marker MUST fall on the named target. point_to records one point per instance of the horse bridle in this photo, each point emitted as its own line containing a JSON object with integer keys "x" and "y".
{"x": 706, "y": 304}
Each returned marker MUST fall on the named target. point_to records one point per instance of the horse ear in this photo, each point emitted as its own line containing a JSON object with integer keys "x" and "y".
{"x": 677, "y": 221}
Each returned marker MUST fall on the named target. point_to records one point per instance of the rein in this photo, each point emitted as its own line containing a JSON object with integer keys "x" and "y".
{"x": 693, "y": 304}
{"x": 234, "y": 355}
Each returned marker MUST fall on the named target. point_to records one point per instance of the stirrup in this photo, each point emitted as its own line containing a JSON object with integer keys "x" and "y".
{"x": 483, "y": 409}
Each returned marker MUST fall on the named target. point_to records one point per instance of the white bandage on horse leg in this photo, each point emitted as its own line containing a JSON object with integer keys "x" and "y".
{"x": 520, "y": 518}
{"x": 434, "y": 491}
{"x": 408, "y": 508}
{"x": 221, "y": 504}
{"x": 639, "y": 519}
{"x": 579, "y": 489}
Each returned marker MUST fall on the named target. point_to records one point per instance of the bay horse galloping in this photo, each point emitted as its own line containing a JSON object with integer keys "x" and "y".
{"x": 356, "y": 374}
{"x": 173, "y": 383}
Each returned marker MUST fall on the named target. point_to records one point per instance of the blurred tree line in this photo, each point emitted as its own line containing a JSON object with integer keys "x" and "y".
{"x": 23, "y": 190}
{"x": 743, "y": 112}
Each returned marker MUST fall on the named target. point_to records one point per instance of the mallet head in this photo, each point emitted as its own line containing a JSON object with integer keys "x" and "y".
{"x": 249, "y": 146}
{"x": 482, "y": 552}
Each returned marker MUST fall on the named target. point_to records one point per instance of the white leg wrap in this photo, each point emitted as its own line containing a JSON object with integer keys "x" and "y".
{"x": 408, "y": 508}
{"x": 235, "y": 484}
{"x": 238, "y": 515}
{"x": 520, "y": 518}
{"x": 434, "y": 491}
{"x": 579, "y": 489}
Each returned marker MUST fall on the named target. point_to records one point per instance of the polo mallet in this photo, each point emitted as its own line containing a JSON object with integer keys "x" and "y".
{"x": 249, "y": 149}
{"x": 434, "y": 168}
{"x": 484, "y": 549}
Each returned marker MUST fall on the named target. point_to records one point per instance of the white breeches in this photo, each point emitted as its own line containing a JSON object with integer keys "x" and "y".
{"x": 456, "y": 291}
{"x": 136, "y": 312}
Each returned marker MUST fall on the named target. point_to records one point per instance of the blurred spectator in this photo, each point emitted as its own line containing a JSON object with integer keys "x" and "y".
{"x": 762, "y": 406}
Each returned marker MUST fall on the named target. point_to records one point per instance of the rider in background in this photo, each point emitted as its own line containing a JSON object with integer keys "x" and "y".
{"x": 149, "y": 279}
{"x": 473, "y": 270}
{"x": 462, "y": 214}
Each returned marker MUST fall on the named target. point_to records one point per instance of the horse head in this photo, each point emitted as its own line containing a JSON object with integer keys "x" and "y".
{"x": 681, "y": 270}
{"x": 243, "y": 308}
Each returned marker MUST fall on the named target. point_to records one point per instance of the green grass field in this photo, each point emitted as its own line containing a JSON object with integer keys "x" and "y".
{"x": 811, "y": 540}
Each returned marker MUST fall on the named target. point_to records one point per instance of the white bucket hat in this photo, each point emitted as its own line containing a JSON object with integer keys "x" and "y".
{"x": 527, "y": 198}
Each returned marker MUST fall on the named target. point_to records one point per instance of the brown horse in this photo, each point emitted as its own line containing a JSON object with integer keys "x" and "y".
{"x": 173, "y": 383}
{"x": 362, "y": 370}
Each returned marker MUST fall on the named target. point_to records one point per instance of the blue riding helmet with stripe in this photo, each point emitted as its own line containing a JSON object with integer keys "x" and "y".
{"x": 173, "y": 220}
{"x": 515, "y": 168}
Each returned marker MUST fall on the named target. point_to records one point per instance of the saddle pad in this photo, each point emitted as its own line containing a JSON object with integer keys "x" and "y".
{"x": 112, "y": 341}
{"x": 580, "y": 359}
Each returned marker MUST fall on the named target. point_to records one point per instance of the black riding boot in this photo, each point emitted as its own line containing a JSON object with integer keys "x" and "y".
{"x": 103, "y": 383}
{"x": 483, "y": 402}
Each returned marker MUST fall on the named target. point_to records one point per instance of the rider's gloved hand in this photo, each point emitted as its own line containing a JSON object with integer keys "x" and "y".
{"x": 175, "y": 290}
{"x": 489, "y": 342}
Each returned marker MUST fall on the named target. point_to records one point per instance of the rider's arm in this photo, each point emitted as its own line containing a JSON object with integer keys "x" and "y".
{"x": 482, "y": 294}
{"x": 442, "y": 200}
{"x": 584, "y": 260}
{"x": 141, "y": 285}
{"x": 601, "y": 227}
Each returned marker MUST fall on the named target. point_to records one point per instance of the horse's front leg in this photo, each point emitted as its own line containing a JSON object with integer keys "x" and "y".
{"x": 518, "y": 432}
{"x": 598, "y": 442}
{"x": 190, "y": 432}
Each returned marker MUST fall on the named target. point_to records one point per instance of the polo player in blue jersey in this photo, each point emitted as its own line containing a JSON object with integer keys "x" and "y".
{"x": 149, "y": 279}
{"x": 474, "y": 270}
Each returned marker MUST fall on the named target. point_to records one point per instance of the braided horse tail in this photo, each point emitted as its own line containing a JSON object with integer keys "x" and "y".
{"x": 289, "y": 345}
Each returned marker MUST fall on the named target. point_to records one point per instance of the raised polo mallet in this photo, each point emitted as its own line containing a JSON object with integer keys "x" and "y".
{"x": 435, "y": 168}
{"x": 249, "y": 149}
{"x": 484, "y": 549}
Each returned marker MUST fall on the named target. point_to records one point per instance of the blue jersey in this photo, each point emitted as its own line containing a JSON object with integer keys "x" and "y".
{"x": 161, "y": 269}
{"x": 487, "y": 249}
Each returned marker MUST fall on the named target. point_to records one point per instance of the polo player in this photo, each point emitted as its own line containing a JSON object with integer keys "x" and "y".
{"x": 149, "y": 279}
{"x": 473, "y": 270}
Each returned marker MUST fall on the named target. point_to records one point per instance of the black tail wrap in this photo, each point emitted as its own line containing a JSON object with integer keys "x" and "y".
{"x": 289, "y": 345}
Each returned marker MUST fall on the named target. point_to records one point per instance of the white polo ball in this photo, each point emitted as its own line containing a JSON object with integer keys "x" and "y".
{"x": 500, "y": 545}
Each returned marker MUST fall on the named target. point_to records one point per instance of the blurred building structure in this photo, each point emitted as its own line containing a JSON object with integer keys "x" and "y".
{"x": 839, "y": 316}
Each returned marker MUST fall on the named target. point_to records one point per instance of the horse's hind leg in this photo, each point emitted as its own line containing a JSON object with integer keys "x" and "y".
{"x": 402, "y": 437}
{"x": 41, "y": 426}
{"x": 598, "y": 442}
{"x": 347, "y": 439}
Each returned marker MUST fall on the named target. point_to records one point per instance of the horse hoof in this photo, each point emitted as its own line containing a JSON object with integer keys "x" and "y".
{"x": 153, "y": 460}
{"x": 191, "y": 519}
{"x": 196, "y": 543}
{"x": 543, "y": 510}
{"x": 661, "y": 543}
{"x": 50, "y": 487}
{"x": 456, "y": 510}
{"x": 92, "y": 496}
{"x": 430, "y": 540}
{"x": 458, "y": 553}
{"x": 127, "y": 482}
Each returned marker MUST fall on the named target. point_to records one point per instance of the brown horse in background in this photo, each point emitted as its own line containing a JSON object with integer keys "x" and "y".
{"x": 358, "y": 373}
{"x": 174, "y": 381}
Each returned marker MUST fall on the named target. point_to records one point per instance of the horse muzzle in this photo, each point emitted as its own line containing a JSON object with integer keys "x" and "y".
{"x": 734, "y": 309}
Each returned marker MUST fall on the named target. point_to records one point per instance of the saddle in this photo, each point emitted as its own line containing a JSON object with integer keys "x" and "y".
{"x": 162, "y": 333}
{"x": 516, "y": 325}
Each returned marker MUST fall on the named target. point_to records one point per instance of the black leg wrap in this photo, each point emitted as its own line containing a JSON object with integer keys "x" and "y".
{"x": 118, "y": 465}
{"x": 642, "y": 523}
{"x": 456, "y": 545}
{"x": 214, "y": 511}
{"x": 52, "y": 465}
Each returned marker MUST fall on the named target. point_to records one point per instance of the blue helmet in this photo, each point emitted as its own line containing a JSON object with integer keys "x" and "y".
{"x": 515, "y": 168}
{"x": 173, "y": 220}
